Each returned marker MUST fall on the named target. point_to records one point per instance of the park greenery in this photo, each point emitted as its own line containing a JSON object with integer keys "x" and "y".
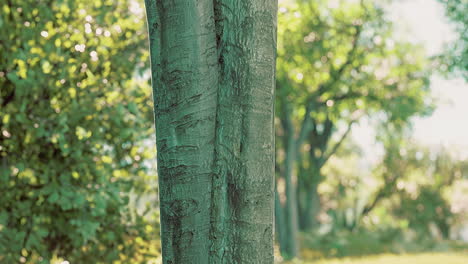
{"x": 74, "y": 118}
{"x": 455, "y": 59}
{"x": 77, "y": 158}
{"x": 333, "y": 70}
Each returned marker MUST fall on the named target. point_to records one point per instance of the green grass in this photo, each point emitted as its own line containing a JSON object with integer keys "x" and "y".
{"x": 423, "y": 258}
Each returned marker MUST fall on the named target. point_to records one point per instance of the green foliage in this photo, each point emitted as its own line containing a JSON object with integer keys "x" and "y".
{"x": 405, "y": 204}
{"x": 73, "y": 118}
{"x": 416, "y": 180}
{"x": 336, "y": 65}
{"x": 424, "y": 208}
{"x": 456, "y": 55}
{"x": 343, "y": 60}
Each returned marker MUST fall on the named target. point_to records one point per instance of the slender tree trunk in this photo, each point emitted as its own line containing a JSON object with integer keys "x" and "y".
{"x": 302, "y": 204}
{"x": 290, "y": 247}
{"x": 213, "y": 65}
{"x": 280, "y": 222}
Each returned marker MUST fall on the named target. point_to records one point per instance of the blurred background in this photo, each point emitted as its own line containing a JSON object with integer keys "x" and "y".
{"x": 371, "y": 146}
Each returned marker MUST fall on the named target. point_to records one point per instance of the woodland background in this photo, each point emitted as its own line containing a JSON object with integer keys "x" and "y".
{"x": 78, "y": 178}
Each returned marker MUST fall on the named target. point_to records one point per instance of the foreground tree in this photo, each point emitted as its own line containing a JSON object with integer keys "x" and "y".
{"x": 213, "y": 65}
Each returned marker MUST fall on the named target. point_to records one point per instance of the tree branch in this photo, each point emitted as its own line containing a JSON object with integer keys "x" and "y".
{"x": 372, "y": 205}
{"x": 382, "y": 193}
{"x": 335, "y": 76}
{"x": 353, "y": 95}
{"x": 306, "y": 127}
{"x": 333, "y": 150}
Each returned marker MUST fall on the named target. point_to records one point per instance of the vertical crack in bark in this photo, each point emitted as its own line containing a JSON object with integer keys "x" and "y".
{"x": 229, "y": 130}
{"x": 218, "y": 232}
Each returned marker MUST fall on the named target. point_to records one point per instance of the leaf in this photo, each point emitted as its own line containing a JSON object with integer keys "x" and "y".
{"x": 53, "y": 198}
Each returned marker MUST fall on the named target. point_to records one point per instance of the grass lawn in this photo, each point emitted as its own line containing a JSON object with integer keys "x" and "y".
{"x": 423, "y": 258}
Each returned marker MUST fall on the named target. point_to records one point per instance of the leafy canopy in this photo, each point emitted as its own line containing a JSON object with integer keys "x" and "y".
{"x": 338, "y": 61}
{"x": 456, "y": 55}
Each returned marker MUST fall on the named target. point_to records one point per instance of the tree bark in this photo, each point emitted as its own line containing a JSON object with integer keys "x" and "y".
{"x": 213, "y": 65}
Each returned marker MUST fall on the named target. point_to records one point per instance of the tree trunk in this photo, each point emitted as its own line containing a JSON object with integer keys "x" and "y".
{"x": 280, "y": 223}
{"x": 308, "y": 214}
{"x": 213, "y": 65}
{"x": 290, "y": 247}
{"x": 308, "y": 196}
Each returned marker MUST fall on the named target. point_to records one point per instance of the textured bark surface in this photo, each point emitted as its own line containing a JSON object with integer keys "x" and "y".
{"x": 213, "y": 65}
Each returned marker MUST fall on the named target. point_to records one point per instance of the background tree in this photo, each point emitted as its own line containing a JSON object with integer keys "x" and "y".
{"x": 73, "y": 118}
{"x": 213, "y": 65}
{"x": 335, "y": 65}
{"x": 372, "y": 210}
